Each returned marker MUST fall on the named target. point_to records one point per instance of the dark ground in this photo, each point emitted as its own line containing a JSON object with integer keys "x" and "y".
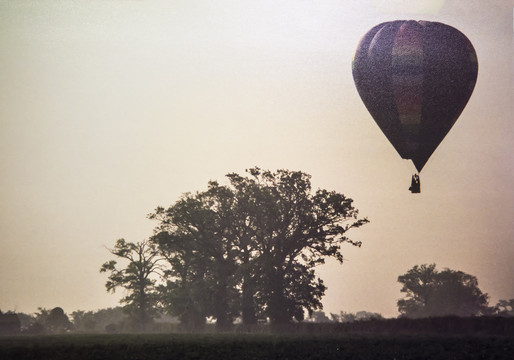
{"x": 255, "y": 346}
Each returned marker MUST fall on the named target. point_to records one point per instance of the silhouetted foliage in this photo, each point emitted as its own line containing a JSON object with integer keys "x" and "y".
{"x": 41, "y": 315}
{"x": 136, "y": 278}
{"x": 57, "y": 321}
{"x": 37, "y": 326}
{"x": 185, "y": 294}
{"x": 25, "y": 320}
{"x": 97, "y": 321}
{"x": 433, "y": 293}
{"x": 319, "y": 316}
{"x": 46, "y": 321}
{"x": 83, "y": 321}
{"x": 251, "y": 247}
{"x": 194, "y": 238}
{"x": 447, "y": 325}
{"x": 505, "y": 308}
{"x": 294, "y": 230}
{"x": 9, "y": 324}
{"x": 346, "y": 317}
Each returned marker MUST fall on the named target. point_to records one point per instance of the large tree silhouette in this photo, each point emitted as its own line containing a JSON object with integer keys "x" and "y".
{"x": 256, "y": 241}
{"x": 430, "y": 292}
{"x": 296, "y": 230}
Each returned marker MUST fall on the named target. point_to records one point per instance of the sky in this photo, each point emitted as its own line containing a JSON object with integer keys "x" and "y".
{"x": 110, "y": 108}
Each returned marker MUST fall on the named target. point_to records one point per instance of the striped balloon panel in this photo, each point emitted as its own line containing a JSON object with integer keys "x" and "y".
{"x": 407, "y": 82}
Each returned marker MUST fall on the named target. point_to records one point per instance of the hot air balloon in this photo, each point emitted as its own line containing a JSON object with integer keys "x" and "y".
{"x": 415, "y": 78}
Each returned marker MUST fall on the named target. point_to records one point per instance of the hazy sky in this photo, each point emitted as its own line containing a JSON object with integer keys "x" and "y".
{"x": 109, "y": 109}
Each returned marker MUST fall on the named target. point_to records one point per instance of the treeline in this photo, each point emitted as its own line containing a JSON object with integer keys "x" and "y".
{"x": 43, "y": 321}
{"x": 447, "y": 325}
{"x": 56, "y": 321}
{"x": 115, "y": 320}
{"x": 247, "y": 250}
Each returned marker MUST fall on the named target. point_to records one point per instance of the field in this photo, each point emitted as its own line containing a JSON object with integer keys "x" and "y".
{"x": 254, "y": 346}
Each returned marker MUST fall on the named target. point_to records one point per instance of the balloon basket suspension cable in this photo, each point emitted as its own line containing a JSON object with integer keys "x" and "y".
{"x": 415, "y": 185}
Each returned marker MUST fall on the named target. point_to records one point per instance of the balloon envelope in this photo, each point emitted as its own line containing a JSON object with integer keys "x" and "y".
{"x": 415, "y": 78}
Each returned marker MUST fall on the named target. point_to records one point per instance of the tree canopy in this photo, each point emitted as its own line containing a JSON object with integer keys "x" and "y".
{"x": 251, "y": 247}
{"x": 57, "y": 321}
{"x": 429, "y": 292}
{"x": 136, "y": 277}
{"x": 505, "y": 307}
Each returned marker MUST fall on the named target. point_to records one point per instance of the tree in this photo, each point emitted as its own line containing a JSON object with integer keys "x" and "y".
{"x": 433, "y": 293}
{"x": 194, "y": 238}
{"x": 143, "y": 262}
{"x": 83, "y": 321}
{"x": 26, "y": 320}
{"x": 57, "y": 321}
{"x": 319, "y": 316}
{"x": 52, "y": 321}
{"x": 98, "y": 321}
{"x": 505, "y": 307}
{"x": 258, "y": 239}
{"x": 295, "y": 230}
{"x": 185, "y": 293}
{"x": 9, "y": 323}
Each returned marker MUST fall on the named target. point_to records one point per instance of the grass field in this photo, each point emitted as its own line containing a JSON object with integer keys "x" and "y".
{"x": 253, "y": 346}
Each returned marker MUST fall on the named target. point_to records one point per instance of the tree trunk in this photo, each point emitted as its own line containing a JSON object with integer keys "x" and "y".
{"x": 223, "y": 321}
{"x": 221, "y": 303}
{"x": 248, "y": 307}
{"x": 277, "y": 307}
{"x": 143, "y": 316}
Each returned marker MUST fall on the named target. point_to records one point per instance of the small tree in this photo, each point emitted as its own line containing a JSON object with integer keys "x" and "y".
{"x": 143, "y": 261}
{"x": 319, "y": 316}
{"x": 83, "y": 321}
{"x": 9, "y": 323}
{"x": 97, "y": 321}
{"x": 57, "y": 321}
{"x": 433, "y": 293}
{"x": 505, "y": 307}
